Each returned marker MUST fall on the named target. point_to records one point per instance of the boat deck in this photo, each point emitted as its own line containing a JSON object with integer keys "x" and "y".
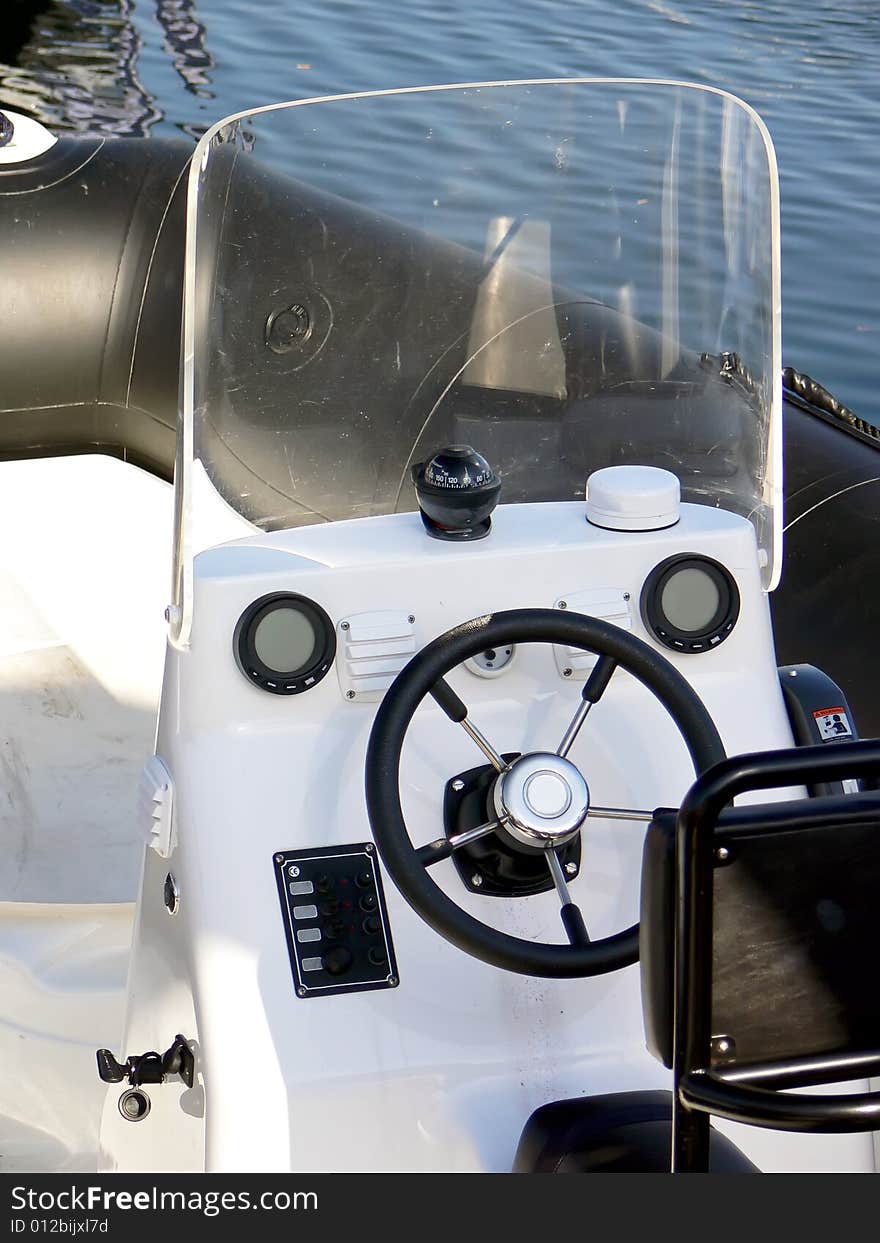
{"x": 84, "y": 580}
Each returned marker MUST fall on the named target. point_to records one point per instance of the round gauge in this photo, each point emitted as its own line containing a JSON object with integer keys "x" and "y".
{"x": 284, "y": 643}
{"x": 690, "y": 602}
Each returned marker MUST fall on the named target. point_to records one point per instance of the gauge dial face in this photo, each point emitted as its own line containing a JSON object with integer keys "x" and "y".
{"x": 690, "y": 602}
{"x": 690, "y": 599}
{"x": 284, "y": 638}
{"x": 284, "y": 643}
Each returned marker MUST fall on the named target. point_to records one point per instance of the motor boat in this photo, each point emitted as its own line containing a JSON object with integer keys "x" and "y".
{"x": 442, "y": 774}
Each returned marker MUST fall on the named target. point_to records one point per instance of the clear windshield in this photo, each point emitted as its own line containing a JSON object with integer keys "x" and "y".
{"x": 565, "y": 275}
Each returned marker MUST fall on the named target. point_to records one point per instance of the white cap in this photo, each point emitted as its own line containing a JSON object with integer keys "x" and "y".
{"x": 633, "y": 498}
{"x": 29, "y": 139}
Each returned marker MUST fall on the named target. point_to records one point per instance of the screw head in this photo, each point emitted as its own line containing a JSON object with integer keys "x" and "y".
{"x": 279, "y": 858}
{"x": 626, "y": 595}
{"x": 300, "y": 992}
{"x": 571, "y": 869}
{"x": 393, "y": 981}
{"x": 458, "y": 785}
{"x": 344, "y": 626}
{"x": 411, "y": 619}
{"x": 566, "y": 673}
{"x": 369, "y": 848}
{"x": 722, "y": 854}
{"x": 350, "y": 694}
{"x": 723, "y": 1046}
{"x": 476, "y": 880}
{"x": 563, "y": 604}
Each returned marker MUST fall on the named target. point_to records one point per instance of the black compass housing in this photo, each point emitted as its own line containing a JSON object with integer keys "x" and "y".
{"x": 457, "y": 490}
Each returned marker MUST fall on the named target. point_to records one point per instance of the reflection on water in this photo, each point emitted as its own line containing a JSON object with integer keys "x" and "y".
{"x": 185, "y": 43}
{"x": 73, "y": 64}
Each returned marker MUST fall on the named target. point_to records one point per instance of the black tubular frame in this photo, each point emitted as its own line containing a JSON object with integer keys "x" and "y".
{"x": 698, "y": 1090}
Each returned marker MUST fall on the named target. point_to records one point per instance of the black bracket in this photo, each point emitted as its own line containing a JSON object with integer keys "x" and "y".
{"x": 150, "y": 1067}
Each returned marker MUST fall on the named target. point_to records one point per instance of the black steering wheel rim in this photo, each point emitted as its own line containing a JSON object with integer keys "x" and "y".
{"x": 415, "y": 681}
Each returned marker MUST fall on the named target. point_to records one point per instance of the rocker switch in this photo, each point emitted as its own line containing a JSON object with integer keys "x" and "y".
{"x": 335, "y": 921}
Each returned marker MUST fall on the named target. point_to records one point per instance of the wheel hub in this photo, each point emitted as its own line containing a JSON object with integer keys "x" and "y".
{"x": 542, "y": 800}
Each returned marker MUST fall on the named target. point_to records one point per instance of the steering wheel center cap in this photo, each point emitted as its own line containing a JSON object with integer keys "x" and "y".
{"x": 542, "y": 800}
{"x": 547, "y": 794}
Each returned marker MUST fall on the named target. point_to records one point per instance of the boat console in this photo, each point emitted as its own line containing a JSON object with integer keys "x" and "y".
{"x": 471, "y": 587}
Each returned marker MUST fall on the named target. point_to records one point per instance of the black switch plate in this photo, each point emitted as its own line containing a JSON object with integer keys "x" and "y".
{"x": 335, "y": 920}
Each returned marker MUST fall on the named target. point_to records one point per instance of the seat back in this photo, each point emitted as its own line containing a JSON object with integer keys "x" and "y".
{"x": 796, "y": 927}
{"x": 758, "y": 939}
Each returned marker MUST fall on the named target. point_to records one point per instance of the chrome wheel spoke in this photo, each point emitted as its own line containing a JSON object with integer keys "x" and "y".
{"x": 594, "y": 689}
{"x": 485, "y": 746}
{"x": 574, "y": 728}
{"x": 456, "y": 710}
{"x": 620, "y": 813}
{"x": 443, "y": 847}
{"x": 572, "y": 919}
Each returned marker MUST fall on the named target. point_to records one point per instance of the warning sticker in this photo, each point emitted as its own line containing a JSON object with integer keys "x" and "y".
{"x": 832, "y": 723}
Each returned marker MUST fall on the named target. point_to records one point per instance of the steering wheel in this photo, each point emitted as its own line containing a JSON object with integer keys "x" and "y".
{"x": 540, "y": 799}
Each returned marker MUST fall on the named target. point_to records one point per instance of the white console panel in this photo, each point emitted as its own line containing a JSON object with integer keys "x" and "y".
{"x": 441, "y": 1072}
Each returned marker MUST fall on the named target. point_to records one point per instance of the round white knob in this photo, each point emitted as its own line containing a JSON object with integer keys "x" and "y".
{"x": 547, "y": 795}
{"x": 633, "y": 498}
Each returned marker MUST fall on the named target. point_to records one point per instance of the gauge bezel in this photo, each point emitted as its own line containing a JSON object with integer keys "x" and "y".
{"x": 720, "y": 625}
{"x": 290, "y": 681}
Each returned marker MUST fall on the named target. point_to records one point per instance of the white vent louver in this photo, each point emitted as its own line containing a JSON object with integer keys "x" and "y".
{"x": 372, "y": 650}
{"x": 155, "y": 807}
{"x": 612, "y": 605}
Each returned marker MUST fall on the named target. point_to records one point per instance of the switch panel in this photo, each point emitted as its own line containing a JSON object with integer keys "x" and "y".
{"x": 337, "y": 928}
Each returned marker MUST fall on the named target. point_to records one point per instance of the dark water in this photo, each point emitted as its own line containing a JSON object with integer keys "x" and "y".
{"x": 812, "y": 70}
